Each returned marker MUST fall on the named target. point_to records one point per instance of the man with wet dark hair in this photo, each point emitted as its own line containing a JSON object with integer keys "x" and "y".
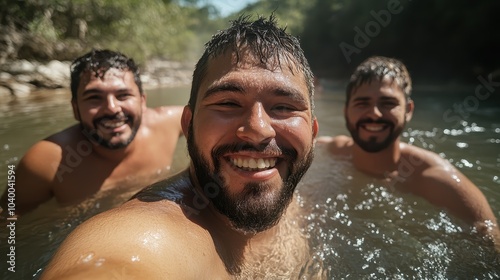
{"x": 250, "y": 130}
{"x": 378, "y": 106}
{"x": 118, "y": 142}
{"x": 99, "y": 62}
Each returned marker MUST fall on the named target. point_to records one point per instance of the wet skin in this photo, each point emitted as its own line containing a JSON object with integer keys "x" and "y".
{"x": 109, "y": 108}
{"x": 237, "y": 103}
{"x": 376, "y": 114}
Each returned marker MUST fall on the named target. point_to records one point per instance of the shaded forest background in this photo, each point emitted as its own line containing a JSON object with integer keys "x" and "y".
{"x": 440, "y": 41}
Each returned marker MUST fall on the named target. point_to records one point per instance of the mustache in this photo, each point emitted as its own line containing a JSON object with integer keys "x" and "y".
{"x": 117, "y": 117}
{"x": 378, "y": 121}
{"x": 271, "y": 149}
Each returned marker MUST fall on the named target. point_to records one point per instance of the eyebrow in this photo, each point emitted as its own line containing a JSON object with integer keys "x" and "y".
{"x": 292, "y": 93}
{"x": 233, "y": 87}
{"x": 364, "y": 98}
{"x": 97, "y": 91}
{"x": 388, "y": 98}
{"x": 214, "y": 89}
{"x": 367, "y": 98}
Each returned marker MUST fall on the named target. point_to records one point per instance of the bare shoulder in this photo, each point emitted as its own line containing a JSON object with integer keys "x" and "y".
{"x": 40, "y": 153}
{"x": 437, "y": 180}
{"x": 429, "y": 168}
{"x": 164, "y": 117}
{"x": 421, "y": 157}
{"x": 44, "y": 157}
{"x": 338, "y": 145}
{"x": 138, "y": 237}
{"x": 38, "y": 168}
{"x": 165, "y": 112}
{"x": 428, "y": 164}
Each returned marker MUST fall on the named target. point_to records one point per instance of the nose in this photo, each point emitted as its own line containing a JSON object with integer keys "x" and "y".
{"x": 257, "y": 126}
{"x": 112, "y": 105}
{"x": 374, "y": 112}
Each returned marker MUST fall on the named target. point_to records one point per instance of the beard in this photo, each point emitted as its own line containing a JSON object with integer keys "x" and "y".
{"x": 260, "y": 205}
{"x": 93, "y": 135}
{"x": 371, "y": 145}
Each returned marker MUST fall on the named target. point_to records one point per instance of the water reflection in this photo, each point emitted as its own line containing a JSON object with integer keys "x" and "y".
{"x": 362, "y": 229}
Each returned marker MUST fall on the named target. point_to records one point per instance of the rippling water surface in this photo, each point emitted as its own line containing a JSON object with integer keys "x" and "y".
{"x": 358, "y": 227}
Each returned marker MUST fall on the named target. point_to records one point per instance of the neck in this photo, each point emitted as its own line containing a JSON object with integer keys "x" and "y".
{"x": 219, "y": 221}
{"x": 232, "y": 245}
{"x": 379, "y": 164}
{"x": 115, "y": 155}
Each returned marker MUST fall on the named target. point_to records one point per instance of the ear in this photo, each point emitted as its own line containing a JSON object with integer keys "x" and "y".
{"x": 315, "y": 127}
{"x": 410, "y": 106}
{"x": 187, "y": 115}
{"x": 76, "y": 112}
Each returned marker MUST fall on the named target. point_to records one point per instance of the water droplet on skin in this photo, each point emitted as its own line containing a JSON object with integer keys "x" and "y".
{"x": 86, "y": 258}
{"x": 135, "y": 258}
{"x": 99, "y": 262}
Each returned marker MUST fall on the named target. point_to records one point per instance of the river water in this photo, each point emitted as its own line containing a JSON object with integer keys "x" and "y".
{"x": 358, "y": 228}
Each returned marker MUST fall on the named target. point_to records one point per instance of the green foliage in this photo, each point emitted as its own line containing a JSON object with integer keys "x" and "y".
{"x": 44, "y": 27}
{"x": 444, "y": 39}
{"x": 290, "y": 13}
{"x": 140, "y": 28}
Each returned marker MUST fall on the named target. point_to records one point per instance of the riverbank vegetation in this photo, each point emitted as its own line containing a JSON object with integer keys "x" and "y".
{"x": 438, "y": 40}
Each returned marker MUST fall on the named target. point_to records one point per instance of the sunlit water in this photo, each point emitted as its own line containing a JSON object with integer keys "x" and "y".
{"x": 358, "y": 227}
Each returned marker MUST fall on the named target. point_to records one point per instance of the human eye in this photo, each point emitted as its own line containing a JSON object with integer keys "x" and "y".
{"x": 360, "y": 103}
{"x": 284, "y": 108}
{"x": 123, "y": 96}
{"x": 229, "y": 104}
{"x": 224, "y": 105}
{"x": 390, "y": 104}
{"x": 92, "y": 97}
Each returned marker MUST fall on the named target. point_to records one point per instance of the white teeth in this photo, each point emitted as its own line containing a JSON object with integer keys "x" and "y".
{"x": 254, "y": 164}
{"x": 112, "y": 124}
{"x": 261, "y": 164}
{"x": 374, "y": 128}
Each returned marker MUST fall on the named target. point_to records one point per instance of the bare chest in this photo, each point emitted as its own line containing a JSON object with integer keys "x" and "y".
{"x": 80, "y": 178}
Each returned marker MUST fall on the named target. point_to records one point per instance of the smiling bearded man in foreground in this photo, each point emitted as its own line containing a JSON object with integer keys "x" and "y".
{"x": 250, "y": 131}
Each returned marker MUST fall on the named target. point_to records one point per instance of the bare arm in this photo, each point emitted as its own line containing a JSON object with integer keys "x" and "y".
{"x": 443, "y": 185}
{"x": 137, "y": 240}
{"x": 34, "y": 175}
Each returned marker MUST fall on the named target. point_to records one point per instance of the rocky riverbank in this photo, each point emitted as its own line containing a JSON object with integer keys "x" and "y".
{"x": 23, "y": 78}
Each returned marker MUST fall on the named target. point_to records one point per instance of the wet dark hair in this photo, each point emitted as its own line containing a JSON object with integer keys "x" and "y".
{"x": 99, "y": 62}
{"x": 264, "y": 39}
{"x": 378, "y": 68}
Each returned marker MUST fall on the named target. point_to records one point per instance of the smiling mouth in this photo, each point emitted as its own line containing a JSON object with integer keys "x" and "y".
{"x": 112, "y": 124}
{"x": 374, "y": 127}
{"x": 253, "y": 164}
